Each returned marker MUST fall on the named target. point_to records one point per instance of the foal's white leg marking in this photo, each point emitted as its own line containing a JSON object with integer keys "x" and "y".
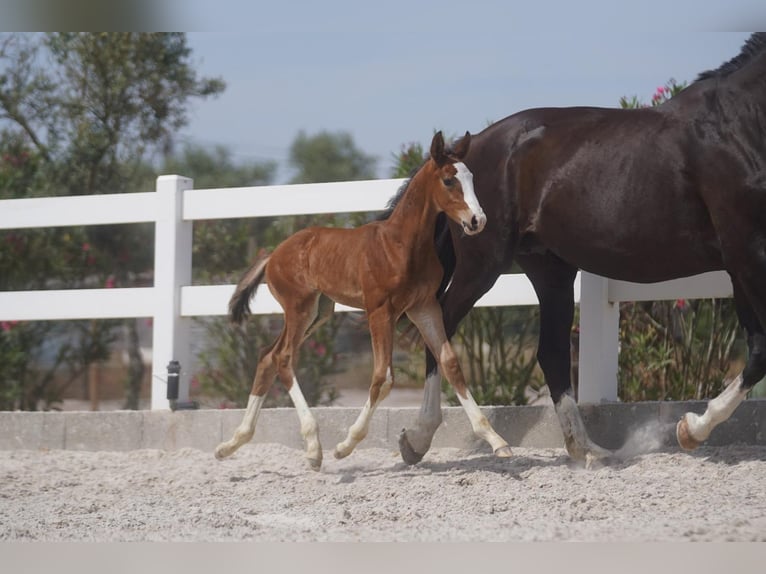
{"x": 245, "y": 430}
{"x": 465, "y": 177}
{"x": 479, "y": 422}
{"x": 309, "y": 427}
{"x": 718, "y": 410}
{"x": 361, "y": 426}
{"x": 429, "y": 417}
{"x": 578, "y": 443}
{"x": 481, "y": 426}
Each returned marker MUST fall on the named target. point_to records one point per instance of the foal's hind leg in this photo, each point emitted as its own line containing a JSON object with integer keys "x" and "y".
{"x": 381, "y": 322}
{"x": 276, "y": 360}
{"x": 300, "y": 317}
{"x": 694, "y": 429}
{"x": 428, "y": 321}
{"x": 264, "y": 377}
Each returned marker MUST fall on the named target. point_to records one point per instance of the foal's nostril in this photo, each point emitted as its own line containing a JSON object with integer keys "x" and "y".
{"x": 474, "y": 222}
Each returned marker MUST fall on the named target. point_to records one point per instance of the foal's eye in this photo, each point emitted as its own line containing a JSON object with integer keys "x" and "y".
{"x": 449, "y": 181}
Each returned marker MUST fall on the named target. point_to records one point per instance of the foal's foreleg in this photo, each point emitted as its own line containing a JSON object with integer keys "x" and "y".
{"x": 473, "y": 277}
{"x": 428, "y": 320}
{"x": 382, "y": 333}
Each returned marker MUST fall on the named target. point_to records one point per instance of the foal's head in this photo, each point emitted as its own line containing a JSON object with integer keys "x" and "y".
{"x": 452, "y": 184}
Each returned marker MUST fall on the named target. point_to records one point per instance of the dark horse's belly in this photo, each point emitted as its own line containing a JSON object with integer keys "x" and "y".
{"x": 657, "y": 255}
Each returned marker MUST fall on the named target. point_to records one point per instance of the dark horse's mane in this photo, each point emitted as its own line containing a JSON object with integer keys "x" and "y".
{"x": 754, "y": 45}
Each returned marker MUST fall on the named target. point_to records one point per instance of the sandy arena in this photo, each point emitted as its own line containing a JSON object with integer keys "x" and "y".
{"x": 265, "y": 492}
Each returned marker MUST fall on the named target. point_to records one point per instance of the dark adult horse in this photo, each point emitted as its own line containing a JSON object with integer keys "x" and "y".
{"x": 640, "y": 195}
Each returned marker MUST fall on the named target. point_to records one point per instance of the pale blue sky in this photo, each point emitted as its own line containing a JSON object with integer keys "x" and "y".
{"x": 394, "y": 72}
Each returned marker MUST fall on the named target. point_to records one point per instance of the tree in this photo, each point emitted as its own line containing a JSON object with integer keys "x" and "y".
{"x": 329, "y": 157}
{"x": 90, "y": 110}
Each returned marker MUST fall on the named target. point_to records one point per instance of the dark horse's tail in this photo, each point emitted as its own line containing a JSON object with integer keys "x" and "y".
{"x": 239, "y": 304}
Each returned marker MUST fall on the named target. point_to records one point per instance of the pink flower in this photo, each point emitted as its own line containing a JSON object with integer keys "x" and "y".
{"x": 680, "y": 304}
{"x": 86, "y": 246}
{"x": 109, "y": 284}
{"x": 6, "y": 326}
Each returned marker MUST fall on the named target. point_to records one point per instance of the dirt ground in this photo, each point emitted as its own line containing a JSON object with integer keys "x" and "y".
{"x": 265, "y": 492}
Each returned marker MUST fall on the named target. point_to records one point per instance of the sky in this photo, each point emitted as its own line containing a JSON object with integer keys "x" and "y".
{"x": 390, "y": 73}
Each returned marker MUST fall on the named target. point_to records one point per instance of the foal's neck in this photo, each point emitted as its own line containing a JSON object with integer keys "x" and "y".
{"x": 414, "y": 217}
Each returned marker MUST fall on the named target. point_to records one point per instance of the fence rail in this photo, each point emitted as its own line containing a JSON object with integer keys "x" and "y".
{"x": 173, "y": 301}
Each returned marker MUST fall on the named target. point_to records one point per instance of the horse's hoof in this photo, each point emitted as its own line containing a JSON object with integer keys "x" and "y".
{"x": 409, "y": 456}
{"x": 684, "y": 436}
{"x": 503, "y": 452}
{"x": 220, "y": 453}
{"x": 339, "y": 453}
{"x": 314, "y": 463}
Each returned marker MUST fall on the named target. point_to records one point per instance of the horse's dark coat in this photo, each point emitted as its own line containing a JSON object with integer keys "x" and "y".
{"x": 642, "y": 195}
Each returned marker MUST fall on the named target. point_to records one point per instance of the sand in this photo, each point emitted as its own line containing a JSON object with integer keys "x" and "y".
{"x": 265, "y": 492}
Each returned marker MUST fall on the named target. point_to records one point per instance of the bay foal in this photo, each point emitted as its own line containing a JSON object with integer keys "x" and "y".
{"x": 387, "y": 268}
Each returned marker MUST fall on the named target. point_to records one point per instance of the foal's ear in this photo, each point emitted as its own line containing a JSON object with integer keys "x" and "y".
{"x": 460, "y": 149}
{"x": 437, "y": 149}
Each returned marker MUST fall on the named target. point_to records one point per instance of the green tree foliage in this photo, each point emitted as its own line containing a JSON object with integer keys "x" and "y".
{"x": 329, "y": 157}
{"x": 82, "y": 114}
{"x": 675, "y": 350}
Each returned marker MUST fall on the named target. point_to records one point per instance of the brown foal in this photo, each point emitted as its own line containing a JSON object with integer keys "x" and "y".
{"x": 387, "y": 268}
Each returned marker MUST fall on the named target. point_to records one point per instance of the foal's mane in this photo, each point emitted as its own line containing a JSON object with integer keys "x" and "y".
{"x": 394, "y": 201}
{"x": 754, "y": 45}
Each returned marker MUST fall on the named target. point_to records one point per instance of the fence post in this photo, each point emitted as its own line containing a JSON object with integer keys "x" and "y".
{"x": 172, "y": 270}
{"x": 599, "y": 341}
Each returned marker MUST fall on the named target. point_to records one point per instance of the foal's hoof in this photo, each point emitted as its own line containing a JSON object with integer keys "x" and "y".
{"x": 684, "y": 436}
{"x": 314, "y": 463}
{"x": 503, "y": 452}
{"x": 409, "y": 456}
{"x": 220, "y": 452}
{"x": 341, "y": 451}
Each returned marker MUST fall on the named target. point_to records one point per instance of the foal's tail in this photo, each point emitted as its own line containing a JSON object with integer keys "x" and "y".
{"x": 239, "y": 304}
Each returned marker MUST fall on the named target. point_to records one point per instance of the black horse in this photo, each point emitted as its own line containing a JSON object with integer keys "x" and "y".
{"x": 640, "y": 195}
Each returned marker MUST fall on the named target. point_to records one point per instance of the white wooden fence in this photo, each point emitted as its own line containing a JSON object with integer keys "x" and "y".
{"x": 172, "y": 301}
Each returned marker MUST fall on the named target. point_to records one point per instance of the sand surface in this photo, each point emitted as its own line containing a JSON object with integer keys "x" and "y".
{"x": 265, "y": 492}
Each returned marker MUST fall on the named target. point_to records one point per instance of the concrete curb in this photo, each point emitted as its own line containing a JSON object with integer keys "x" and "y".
{"x": 527, "y": 426}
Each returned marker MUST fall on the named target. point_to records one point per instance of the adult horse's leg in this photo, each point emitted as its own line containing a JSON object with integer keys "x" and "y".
{"x": 381, "y": 322}
{"x": 428, "y": 321}
{"x": 553, "y": 281}
{"x": 472, "y": 279}
{"x": 694, "y": 429}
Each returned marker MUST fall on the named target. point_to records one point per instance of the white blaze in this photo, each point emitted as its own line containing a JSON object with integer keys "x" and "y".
{"x": 465, "y": 177}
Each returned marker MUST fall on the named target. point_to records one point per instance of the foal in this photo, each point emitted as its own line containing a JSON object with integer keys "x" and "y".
{"x": 387, "y": 268}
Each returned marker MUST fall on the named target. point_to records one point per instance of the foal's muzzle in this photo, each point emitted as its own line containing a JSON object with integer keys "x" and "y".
{"x": 475, "y": 225}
